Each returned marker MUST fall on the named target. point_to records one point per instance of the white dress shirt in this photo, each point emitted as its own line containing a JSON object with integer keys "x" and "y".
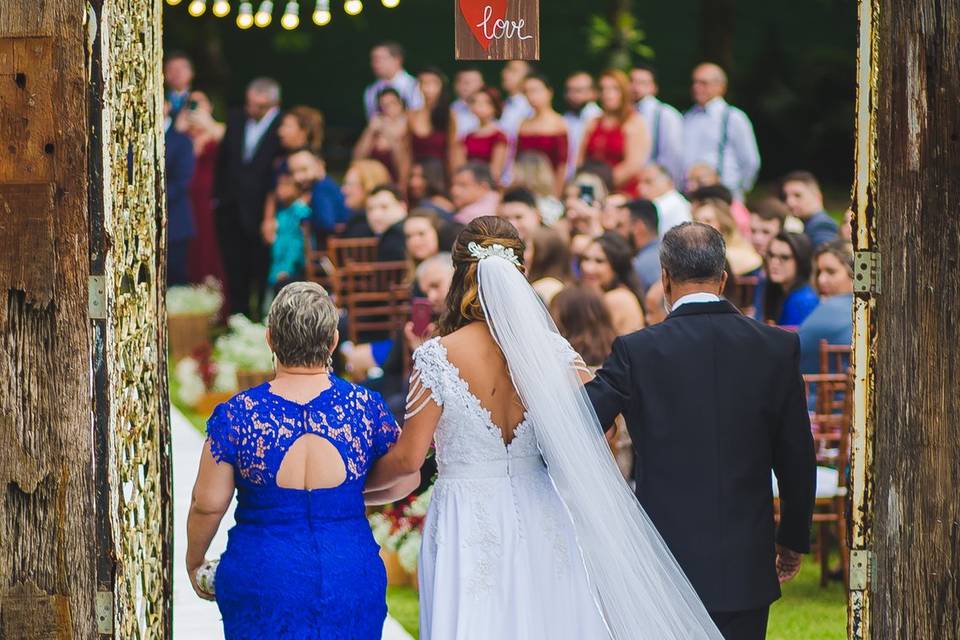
{"x": 704, "y": 142}
{"x": 404, "y": 83}
{"x": 665, "y": 125}
{"x": 466, "y": 121}
{"x": 695, "y": 298}
{"x": 576, "y": 125}
{"x": 672, "y": 209}
{"x": 253, "y": 132}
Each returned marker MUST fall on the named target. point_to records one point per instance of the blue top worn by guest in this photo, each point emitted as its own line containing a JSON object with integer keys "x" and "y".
{"x": 821, "y": 229}
{"x": 646, "y": 264}
{"x": 832, "y": 321}
{"x": 301, "y": 563}
{"x": 799, "y": 304}
{"x": 286, "y": 255}
{"x": 327, "y": 205}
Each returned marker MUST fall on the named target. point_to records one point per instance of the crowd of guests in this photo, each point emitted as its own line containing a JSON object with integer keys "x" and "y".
{"x": 591, "y": 192}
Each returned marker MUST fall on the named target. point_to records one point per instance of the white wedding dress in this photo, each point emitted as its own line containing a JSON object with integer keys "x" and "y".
{"x": 542, "y": 538}
{"x": 499, "y": 556}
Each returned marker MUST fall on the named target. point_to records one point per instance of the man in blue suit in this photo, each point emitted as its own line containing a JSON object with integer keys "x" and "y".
{"x": 180, "y": 226}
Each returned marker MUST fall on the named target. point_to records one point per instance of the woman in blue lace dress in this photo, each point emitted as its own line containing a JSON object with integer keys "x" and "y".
{"x": 301, "y": 562}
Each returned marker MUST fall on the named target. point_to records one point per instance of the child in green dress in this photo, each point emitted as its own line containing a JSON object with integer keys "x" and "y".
{"x": 286, "y": 255}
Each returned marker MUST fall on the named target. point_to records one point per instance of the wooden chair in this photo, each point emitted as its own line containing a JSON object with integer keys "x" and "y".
{"x": 831, "y": 423}
{"x": 371, "y": 292}
{"x": 740, "y": 292}
{"x": 317, "y": 265}
{"x": 834, "y": 358}
{"x": 342, "y": 251}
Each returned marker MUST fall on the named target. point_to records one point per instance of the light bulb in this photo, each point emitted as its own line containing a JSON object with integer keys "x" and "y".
{"x": 173, "y": 3}
{"x": 321, "y": 18}
{"x": 391, "y": 4}
{"x": 245, "y": 15}
{"x": 221, "y": 8}
{"x": 291, "y": 16}
{"x": 353, "y": 7}
{"x": 197, "y": 8}
{"x": 264, "y": 15}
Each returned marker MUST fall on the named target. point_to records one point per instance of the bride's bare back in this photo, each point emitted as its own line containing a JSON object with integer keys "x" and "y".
{"x": 482, "y": 366}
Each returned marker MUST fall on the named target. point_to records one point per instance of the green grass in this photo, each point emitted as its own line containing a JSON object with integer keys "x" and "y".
{"x": 806, "y": 612}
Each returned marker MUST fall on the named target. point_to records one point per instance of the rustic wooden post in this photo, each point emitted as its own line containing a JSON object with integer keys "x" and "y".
{"x": 85, "y": 521}
{"x": 905, "y": 565}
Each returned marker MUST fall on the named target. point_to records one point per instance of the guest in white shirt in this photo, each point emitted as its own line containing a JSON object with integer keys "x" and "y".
{"x": 467, "y": 82}
{"x": 663, "y": 121}
{"x": 657, "y": 186}
{"x": 516, "y": 109}
{"x": 718, "y": 134}
{"x": 581, "y": 97}
{"x": 386, "y": 61}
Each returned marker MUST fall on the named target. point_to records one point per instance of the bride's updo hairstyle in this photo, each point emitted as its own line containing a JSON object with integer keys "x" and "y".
{"x": 463, "y": 300}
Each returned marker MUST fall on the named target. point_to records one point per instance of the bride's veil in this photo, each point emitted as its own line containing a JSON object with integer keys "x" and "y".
{"x": 640, "y": 589}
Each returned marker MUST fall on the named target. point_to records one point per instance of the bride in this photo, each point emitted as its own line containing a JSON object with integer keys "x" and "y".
{"x": 532, "y": 532}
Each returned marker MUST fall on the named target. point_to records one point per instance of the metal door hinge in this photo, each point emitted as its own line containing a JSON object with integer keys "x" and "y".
{"x": 862, "y": 568}
{"x": 97, "y": 298}
{"x": 866, "y": 272}
{"x": 105, "y": 612}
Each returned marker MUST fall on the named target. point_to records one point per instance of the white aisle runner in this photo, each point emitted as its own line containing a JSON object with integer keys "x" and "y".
{"x": 193, "y": 618}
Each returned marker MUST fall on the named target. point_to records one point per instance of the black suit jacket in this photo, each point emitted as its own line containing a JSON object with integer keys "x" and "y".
{"x": 713, "y": 401}
{"x": 240, "y": 187}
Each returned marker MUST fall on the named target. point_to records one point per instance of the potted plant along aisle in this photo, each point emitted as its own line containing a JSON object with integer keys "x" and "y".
{"x": 190, "y": 312}
{"x": 245, "y": 348}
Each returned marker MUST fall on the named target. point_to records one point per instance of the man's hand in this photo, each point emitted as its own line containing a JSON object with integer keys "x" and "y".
{"x": 788, "y": 564}
{"x": 413, "y": 340}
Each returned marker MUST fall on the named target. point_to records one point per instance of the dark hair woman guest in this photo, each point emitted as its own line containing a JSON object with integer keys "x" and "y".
{"x": 788, "y": 297}
{"x": 301, "y": 561}
{"x": 432, "y": 128}
{"x": 546, "y": 130}
{"x": 488, "y": 143}
{"x": 832, "y": 320}
{"x": 607, "y": 266}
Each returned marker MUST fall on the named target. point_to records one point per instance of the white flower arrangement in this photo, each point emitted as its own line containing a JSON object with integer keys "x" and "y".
{"x": 408, "y": 553}
{"x": 244, "y": 346}
{"x": 192, "y": 388}
{"x": 380, "y": 526}
{"x": 206, "y": 298}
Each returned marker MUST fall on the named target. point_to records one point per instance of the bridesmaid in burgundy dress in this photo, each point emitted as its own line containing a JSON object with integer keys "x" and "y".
{"x": 385, "y": 138}
{"x": 196, "y": 120}
{"x": 619, "y": 136}
{"x": 488, "y": 143}
{"x": 546, "y": 130}
{"x": 432, "y": 129}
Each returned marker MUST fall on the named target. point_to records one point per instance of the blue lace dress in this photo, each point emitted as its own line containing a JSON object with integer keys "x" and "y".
{"x": 301, "y": 564}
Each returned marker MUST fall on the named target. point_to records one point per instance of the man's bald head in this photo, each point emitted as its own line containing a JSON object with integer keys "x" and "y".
{"x": 709, "y": 82}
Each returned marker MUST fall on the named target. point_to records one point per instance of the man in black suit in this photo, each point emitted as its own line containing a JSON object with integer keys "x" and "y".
{"x": 179, "y": 162}
{"x": 244, "y": 177}
{"x": 713, "y": 401}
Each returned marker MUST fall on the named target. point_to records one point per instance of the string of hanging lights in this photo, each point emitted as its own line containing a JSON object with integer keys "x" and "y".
{"x": 263, "y": 16}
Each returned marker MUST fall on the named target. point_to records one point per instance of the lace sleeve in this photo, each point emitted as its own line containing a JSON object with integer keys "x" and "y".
{"x": 426, "y": 381}
{"x": 570, "y": 354}
{"x": 222, "y": 434}
{"x": 384, "y": 425}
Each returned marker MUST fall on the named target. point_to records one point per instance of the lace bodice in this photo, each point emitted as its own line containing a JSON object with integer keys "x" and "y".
{"x": 465, "y": 432}
{"x": 255, "y": 429}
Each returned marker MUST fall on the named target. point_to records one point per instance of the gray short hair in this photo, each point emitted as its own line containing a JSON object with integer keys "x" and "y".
{"x": 442, "y": 259}
{"x": 302, "y": 322}
{"x": 266, "y": 87}
{"x": 693, "y": 252}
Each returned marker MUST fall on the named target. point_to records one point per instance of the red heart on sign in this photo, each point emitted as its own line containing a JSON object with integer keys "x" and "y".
{"x": 477, "y": 14}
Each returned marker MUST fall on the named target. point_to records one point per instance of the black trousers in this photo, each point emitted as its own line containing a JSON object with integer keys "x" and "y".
{"x": 742, "y": 625}
{"x": 246, "y": 260}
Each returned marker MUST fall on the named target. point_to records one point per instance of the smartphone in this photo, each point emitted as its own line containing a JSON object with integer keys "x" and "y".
{"x": 421, "y": 312}
{"x": 587, "y": 194}
{"x": 192, "y": 105}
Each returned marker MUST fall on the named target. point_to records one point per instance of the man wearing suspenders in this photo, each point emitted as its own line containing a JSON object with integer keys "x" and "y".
{"x": 718, "y": 134}
{"x": 664, "y": 123}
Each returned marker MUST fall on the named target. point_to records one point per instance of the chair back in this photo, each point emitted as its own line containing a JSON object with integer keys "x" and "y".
{"x": 343, "y": 251}
{"x": 831, "y": 418}
{"x": 834, "y": 358}
{"x": 376, "y": 297}
{"x": 740, "y": 292}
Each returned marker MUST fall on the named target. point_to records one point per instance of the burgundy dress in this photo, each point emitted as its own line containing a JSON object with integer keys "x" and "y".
{"x": 480, "y": 146}
{"x": 553, "y": 145}
{"x": 432, "y": 145}
{"x": 609, "y": 145}
{"x": 203, "y": 256}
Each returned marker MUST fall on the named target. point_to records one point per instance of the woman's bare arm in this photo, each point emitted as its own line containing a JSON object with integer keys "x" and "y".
{"x": 212, "y": 494}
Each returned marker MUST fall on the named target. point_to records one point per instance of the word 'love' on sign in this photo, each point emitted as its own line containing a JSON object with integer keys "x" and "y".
{"x": 497, "y": 29}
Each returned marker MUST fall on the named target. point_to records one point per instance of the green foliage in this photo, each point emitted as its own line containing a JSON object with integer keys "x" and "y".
{"x": 618, "y": 41}
{"x": 404, "y": 606}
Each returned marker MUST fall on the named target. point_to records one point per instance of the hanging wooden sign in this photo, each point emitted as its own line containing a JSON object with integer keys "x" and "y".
{"x": 497, "y": 29}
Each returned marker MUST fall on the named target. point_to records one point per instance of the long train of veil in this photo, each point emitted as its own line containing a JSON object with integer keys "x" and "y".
{"x": 640, "y": 589}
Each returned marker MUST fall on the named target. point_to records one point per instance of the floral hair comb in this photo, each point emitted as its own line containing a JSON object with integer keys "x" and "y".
{"x": 493, "y": 251}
